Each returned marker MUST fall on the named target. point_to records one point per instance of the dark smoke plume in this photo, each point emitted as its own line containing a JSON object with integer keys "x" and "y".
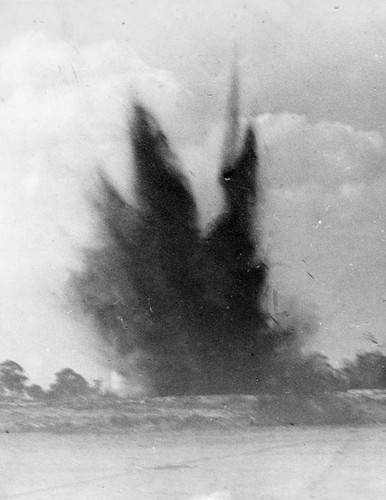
{"x": 185, "y": 308}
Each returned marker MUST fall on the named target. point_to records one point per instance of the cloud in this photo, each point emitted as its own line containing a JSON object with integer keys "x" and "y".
{"x": 324, "y": 200}
{"x": 325, "y": 206}
{"x": 64, "y": 113}
{"x": 327, "y": 153}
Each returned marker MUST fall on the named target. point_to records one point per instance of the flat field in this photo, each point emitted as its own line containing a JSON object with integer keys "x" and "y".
{"x": 326, "y": 446}
{"x": 280, "y": 463}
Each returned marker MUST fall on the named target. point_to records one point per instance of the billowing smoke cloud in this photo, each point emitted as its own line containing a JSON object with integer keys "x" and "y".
{"x": 64, "y": 113}
{"x": 183, "y": 308}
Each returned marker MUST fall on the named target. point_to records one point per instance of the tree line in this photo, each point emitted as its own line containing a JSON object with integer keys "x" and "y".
{"x": 310, "y": 374}
{"x": 68, "y": 384}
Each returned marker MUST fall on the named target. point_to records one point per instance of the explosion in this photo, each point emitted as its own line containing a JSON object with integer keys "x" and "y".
{"x": 182, "y": 310}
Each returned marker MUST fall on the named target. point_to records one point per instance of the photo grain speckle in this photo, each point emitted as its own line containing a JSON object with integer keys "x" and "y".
{"x": 193, "y": 250}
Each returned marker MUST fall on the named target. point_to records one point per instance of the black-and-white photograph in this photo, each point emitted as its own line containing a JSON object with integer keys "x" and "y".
{"x": 192, "y": 250}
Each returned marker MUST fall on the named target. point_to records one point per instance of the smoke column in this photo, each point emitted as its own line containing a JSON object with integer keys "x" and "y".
{"x": 179, "y": 308}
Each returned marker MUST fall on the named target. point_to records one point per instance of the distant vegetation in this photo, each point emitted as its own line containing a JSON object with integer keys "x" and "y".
{"x": 309, "y": 375}
{"x": 68, "y": 385}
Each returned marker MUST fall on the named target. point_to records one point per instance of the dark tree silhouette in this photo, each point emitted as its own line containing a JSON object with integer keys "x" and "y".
{"x": 366, "y": 371}
{"x": 12, "y": 377}
{"x": 69, "y": 384}
{"x": 36, "y": 392}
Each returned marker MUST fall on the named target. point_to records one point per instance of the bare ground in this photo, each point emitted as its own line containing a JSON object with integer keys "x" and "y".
{"x": 199, "y": 412}
{"x": 270, "y": 463}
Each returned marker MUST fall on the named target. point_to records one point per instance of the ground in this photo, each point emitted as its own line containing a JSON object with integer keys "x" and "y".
{"x": 193, "y": 412}
{"x": 333, "y": 463}
{"x": 326, "y": 446}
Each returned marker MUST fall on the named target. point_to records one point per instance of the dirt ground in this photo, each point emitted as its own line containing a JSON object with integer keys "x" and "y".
{"x": 262, "y": 463}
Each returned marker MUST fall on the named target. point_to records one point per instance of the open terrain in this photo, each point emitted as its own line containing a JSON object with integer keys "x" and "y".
{"x": 275, "y": 463}
{"x": 326, "y": 446}
{"x": 194, "y": 412}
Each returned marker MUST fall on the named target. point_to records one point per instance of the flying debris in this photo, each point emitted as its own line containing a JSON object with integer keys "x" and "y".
{"x": 183, "y": 310}
{"x": 371, "y": 338}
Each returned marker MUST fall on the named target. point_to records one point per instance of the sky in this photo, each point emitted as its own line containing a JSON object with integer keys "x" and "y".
{"x": 312, "y": 78}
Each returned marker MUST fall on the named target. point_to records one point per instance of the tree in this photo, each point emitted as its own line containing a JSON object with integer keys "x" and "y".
{"x": 12, "y": 378}
{"x": 36, "y": 392}
{"x": 311, "y": 374}
{"x": 68, "y": 385}
{"x": 314, "y": 374}
{"x": 367, "y": 371}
